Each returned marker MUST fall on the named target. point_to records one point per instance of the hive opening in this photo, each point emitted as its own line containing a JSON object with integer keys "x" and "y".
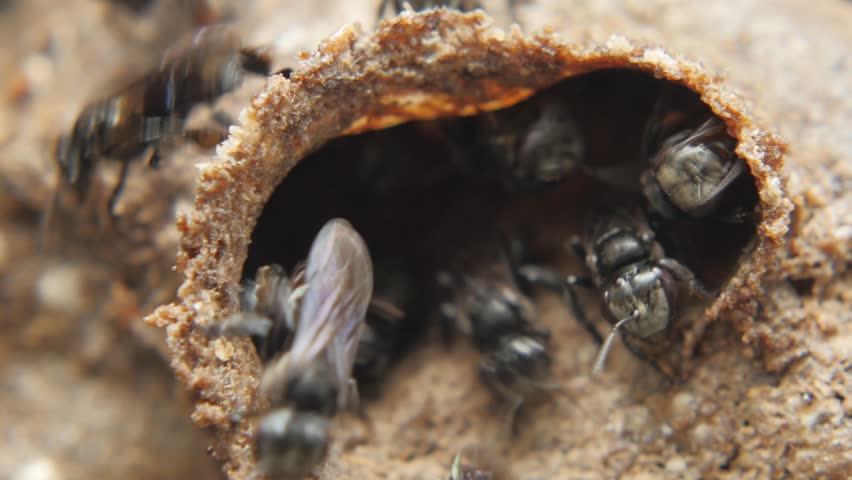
{"x": 401, "y": 185}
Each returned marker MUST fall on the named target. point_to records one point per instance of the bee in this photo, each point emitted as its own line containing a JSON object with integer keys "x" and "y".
{"x": 420, "y": 5}
{"x": 375, "y": 351}
{"x": 270, "y": 305}
{"x": 530, "y": 146}
{"x": 319, "y": 311}
{"x": 640, "y": 286}
{"x": 269, "y": 309}
{"x": 488, "y": 306}
{"x": 388, "y": 320}
{"x": 693, "y": 168}
{"x": 154, "y": 108}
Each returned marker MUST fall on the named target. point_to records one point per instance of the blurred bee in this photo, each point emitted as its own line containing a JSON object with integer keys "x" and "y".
{"x": 314, "y": 378}
{"x": 269, "y": 309}
{"x": 270, "y": 306}
{"x": 420, "y": 5}
{"x": 488, "y": 306}
{"x": 531, "y": 145}
{"x": 639, "y": 284}
{"x": 319, "y": 311}
{"x": 693, "y": 168}
{"x": 154, "y": 107}
{"x": 383, "y": 325}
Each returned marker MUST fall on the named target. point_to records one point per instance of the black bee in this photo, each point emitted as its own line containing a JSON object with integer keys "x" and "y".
{"x": 388, "y": 321}
{"x": 693, "y": 167}
{"x": 319, "y": 311}
{"x": 154, "y": 107}
{"x": 270, "y": 306}
{"x": 530, "y": 146}
{"x": 639, "y": 284}
{"x": 420, "y": 5}
{"x": 269, "y": 309}
{"x": 488, "y": 306}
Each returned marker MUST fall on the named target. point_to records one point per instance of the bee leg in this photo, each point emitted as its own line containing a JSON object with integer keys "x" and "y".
{"x": 515, "y": 400}
{"x": 356, "y": 407}
{"x": 448, "y": 313}
{"x": 739, "y": 215}
{"x": 536, "y": 275}
{"x": 46, "y": 220}
{"x": 382, "y": 7}
{"x": 577, "y": 247}
{"x": 566, "y": 285}
{"x": 512, "y": 417}
{"x": 570, "y": 295}
{"x": 239, "y": 325}
{"x": 223, "y": 119}
{"x": 351, "y": 399}
{"x": 449, "y": 316}
{"x": 637, "y": 351}
{"x": 684, "y": 275}
{"x": 207, "y": 137}
{"x": 152, "y": 160}
{"x": 510, "y": 6}
{"x": 113, "y": 198}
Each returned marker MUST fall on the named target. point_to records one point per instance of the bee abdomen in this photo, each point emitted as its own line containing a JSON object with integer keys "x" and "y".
{"x": 289, "y": 443}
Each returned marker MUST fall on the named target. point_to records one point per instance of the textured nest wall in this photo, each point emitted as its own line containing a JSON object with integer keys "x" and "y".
{"x": 422, "y": 66}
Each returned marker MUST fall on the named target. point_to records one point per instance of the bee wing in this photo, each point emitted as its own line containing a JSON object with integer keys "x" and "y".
{"x": 339, "y": 275}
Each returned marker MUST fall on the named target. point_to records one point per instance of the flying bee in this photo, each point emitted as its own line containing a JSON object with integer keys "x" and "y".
{"x": 640, "y": 286}
{"x": 154, "y": 108}
{"x": 314, "y": 378}
{"x": 319, "y": 311}
{"x": 420, "y": 5}
{"x": 488, "y": 306}
{"x": 269, "y": 310}
{"x": 694, "y": 170}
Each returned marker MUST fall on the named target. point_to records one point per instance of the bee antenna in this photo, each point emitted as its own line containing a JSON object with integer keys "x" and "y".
{"x": 599, "y": 362}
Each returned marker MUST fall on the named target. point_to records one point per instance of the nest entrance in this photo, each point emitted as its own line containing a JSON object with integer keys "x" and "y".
{"x": 398, "y": 185}
{"x": 288, "y": 168}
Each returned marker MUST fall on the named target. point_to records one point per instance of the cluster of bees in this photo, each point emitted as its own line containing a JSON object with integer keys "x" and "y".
{"x": 318, "y": 326}
{"x": 321, "y": 325}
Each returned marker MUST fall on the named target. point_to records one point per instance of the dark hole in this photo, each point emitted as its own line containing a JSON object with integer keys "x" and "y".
{"x": 401, "y": 187}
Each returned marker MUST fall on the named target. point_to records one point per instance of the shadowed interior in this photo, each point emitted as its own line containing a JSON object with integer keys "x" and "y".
{"x": 399, "y": 186}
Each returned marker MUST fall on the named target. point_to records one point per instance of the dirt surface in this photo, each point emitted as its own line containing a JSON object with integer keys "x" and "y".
{"x": 86, "y": 395}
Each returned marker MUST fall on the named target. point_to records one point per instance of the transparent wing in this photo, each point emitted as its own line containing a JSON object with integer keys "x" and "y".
{"x": 339, "y": 275}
